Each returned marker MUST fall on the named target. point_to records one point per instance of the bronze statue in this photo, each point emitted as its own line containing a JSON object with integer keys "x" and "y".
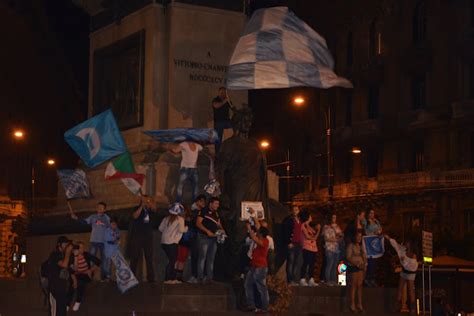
{"x": 241, "y": 171}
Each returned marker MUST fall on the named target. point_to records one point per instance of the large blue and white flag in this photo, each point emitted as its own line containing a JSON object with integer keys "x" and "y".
{"x": 278, "y": 50}
{"x": 75, "y": 183}
{"x": 178, "y": 135}
{"x": 374, "y": 246}
{"x": 96, "y": 140}
{"x": 125, "y": 277}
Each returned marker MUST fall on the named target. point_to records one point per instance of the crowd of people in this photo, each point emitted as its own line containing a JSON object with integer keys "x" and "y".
{"x": 193, "y": 233}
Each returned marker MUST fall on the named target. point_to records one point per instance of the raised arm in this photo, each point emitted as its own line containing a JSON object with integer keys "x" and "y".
{"x": 257, "y": 240}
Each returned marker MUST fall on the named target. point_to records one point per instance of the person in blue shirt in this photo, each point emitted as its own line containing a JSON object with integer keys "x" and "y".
{"x": 99, "y": 223}
{"x": 111, "y": 242}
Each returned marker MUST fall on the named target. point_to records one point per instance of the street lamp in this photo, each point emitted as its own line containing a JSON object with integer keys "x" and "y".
{"x": 299, "y": 101}
{"x": 264, "y": 144}
{"x": 51, "y": 162}
{"x": 18, "y": 134}
{"x": 356, "y": 150}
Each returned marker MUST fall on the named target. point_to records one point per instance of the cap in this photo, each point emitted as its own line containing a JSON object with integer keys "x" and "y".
{"x": 63, "y": 240}
{"x": 176, "y": 209}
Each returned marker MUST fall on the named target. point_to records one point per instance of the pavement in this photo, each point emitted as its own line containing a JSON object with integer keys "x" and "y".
{"x": 24, "y": 298}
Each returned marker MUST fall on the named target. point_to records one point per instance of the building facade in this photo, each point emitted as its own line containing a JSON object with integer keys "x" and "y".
{"x": 410, "y": 112}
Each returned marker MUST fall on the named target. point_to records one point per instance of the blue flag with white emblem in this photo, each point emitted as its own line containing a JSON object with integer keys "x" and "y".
{"x": 374, "y": 246}
{"x": 96, "y": 140}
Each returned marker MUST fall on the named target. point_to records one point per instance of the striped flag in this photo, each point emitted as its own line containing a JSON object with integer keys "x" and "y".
{"x": 278, "y": 50}
{"x": 122, "y": 168}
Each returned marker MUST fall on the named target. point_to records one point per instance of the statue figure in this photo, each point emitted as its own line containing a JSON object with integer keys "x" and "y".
{"x": 241, "y": 172}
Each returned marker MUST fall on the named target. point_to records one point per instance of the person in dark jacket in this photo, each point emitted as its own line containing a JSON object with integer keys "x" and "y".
{"x": 59, "y": 276}
{"x": 82, "y": 265}
{"x": 293, "y": 239}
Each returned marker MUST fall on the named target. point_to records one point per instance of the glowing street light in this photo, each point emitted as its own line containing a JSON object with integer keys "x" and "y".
{"x": 356, "y": 150}
{"x": 51, "y": 162}
{"x": 264, "y": 144}
{"x": 298, "y": 101}
{"x": 18, "y": 134}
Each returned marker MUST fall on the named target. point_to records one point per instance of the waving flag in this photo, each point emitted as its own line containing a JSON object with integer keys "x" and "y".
{"x": 97, "y": 139}
{"x": 125, "y": 277}
{"x": 374, "y": 246}
{"x": 178, "y": 135}
{"x": 278, "y": 50}
{"x": 122, "y": 168}
{"x": 75, "y": 183}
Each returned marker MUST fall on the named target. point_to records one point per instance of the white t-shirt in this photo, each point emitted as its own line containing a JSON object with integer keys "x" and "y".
{"x": 189, "y": 157}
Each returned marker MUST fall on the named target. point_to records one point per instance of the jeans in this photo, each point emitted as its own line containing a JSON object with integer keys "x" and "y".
{"x": 256, "y": 278}
{"x": 220, "y": 127}
{"x": 97, "y": 249}
{"x": 194, "y": 257}
{"x": 309, "y": 261}
{"x": 142, "y": 243}
{"x": 184, "y": 174}
{"x": 207, "y": 253}
{"x": 171, "y": 251}
{"x": 292, "y": 263}
{"x": 332, "y": 260}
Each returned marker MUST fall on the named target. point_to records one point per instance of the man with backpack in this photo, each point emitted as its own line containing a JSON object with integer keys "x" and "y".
{"x": 56, "y": 270}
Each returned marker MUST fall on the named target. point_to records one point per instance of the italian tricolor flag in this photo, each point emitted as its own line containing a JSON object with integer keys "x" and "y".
{"x": 122, "y": 168}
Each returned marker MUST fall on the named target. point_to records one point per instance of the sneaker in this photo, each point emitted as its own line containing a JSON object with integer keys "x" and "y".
{"x": 312, "y": 282}
{"x": 168, "y": 282}
{"x": 193, "y": 280}
{"x": 76, "y": 306}
{"x": 303, "y": 282}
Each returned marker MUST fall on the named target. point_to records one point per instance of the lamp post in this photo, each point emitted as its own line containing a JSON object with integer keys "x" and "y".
{"x": 300, "y": 101}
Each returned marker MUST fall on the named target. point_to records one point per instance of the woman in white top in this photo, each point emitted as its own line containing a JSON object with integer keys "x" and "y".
{"x": 172, "y": 229}
{"x": 409, "y": 262}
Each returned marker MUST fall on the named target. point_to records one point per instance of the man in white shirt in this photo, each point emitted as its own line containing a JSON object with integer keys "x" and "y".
{"x": 189, "y": 152}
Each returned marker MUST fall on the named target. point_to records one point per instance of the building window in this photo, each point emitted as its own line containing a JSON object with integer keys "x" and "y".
{"x": 470, "y": 80}
{"x": 373, "y": 103}
{"x": 469, "y": 221}
{"x": 417, "y": 156}
{"x": 372, "y": 163}
{"x": 347, "y": 168}
{"x": 375, "y": 41}
{"x": 413, "y": 223}
{"x": 419, "y": 23}
{"x": 418, "y": 93}
{"x": 348, "y": 118}
{"x": 472, "y": 150}
{"x": 350, "y": 50}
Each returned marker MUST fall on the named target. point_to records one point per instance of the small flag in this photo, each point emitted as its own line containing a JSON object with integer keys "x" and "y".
{"x": 374, "y": 246}
{"x": 178, "y": 135}
{"x": 122, "y": 168}
{"x": 75, "y": 183}
{"x": 125, "y": 277}
{"x": 96, "y": 140}
{"x": 278, "y": 50}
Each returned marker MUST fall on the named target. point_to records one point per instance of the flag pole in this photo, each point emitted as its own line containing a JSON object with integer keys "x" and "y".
{"x": 70, "y": 207}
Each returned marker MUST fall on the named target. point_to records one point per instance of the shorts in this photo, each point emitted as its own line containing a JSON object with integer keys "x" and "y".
{"x": 408, "y": 276}
{"x": 183, "y": 253}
